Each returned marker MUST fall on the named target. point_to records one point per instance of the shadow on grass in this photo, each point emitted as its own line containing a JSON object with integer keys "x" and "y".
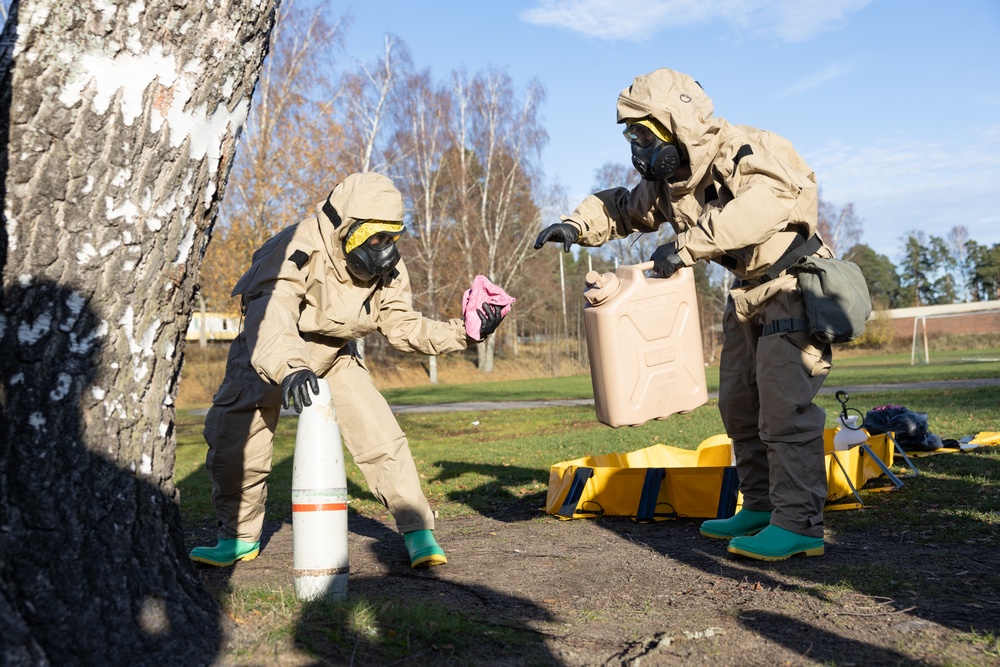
{"x": 504, "y": 497}
{"x": 398, "y": 615}
{"x": 925, "y": 553}
{"x": 419, "y": 616}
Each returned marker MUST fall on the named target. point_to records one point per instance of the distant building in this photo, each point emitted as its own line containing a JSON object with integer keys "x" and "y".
{"x": 974, "y": 317}
{"x": 217, "y": 326}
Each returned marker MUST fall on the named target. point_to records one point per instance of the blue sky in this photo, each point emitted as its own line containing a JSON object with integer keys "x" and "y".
{"x": 894, "y": 103}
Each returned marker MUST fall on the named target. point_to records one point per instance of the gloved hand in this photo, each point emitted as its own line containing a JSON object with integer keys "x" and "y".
{"x": 491, "y": 318}
{"x": 295, "y": 389}
{"x": 558, "y": 233}
{"x": 665, "y": 259}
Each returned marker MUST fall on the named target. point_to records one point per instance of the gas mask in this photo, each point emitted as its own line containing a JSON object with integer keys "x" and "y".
{"x": 370, "y": 248}
{"x": 654, "y": 155}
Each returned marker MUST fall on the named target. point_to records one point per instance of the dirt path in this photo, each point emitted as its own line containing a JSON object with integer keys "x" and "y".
{"x": 615, "y": 592}
{"x": 850, "y": 389}
{"x": 472, "y": 406}
{"x": 610, "y": 591}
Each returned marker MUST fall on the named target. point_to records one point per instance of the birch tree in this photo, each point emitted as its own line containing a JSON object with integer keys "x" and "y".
{"x": 500, "y": 140}
{"x": 959, "y": 246}
{"x": 639, "y": 247}
{"x": 840, "y": 228}
{"x": 367, "y": 93}
{"x": 421, "y": 143}
{"x": 284, "y": 165}
{"x": 120, "y": 123}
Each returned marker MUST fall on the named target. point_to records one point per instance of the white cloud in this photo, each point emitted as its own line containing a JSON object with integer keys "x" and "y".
{"x": 807, "y": 83}
{"x": 800, "y": 20}
{"x": 631, "y": 20}
{"x": 902, "y": 187}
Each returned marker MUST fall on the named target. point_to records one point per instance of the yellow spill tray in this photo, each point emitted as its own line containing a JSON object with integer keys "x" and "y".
{"x": 663, "y": 482}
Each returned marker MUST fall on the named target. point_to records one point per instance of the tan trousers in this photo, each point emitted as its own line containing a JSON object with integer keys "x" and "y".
{"x": 766, "y": 391}
{"x": 239, "y": 430}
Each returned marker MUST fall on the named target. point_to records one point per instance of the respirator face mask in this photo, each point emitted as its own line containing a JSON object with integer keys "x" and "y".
{"x": 370, "y": 249}
{"x": 654, "y": 156}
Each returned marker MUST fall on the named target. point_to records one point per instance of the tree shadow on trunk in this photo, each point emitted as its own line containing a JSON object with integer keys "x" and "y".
{"x": 93, "y": 568}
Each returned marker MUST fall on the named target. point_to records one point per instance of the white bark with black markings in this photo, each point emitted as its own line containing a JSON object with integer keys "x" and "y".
{"x": 120, "y": 122}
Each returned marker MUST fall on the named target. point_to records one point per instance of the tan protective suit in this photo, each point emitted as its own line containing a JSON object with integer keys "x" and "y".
{"x": 303, "y": 309}
{"x": 741, "y": 199}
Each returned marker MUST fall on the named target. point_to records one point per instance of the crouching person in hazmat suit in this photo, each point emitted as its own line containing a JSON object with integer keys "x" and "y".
{"x": 745, "y": 199}
{"x": 311, "y": 291}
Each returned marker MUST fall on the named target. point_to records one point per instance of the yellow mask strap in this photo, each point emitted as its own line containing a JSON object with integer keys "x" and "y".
{"x": 366, "y": 230}
{"x": 657, "y": 128}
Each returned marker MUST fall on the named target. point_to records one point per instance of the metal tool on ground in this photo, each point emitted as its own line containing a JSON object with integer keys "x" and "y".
{"x": 851, "y": 434}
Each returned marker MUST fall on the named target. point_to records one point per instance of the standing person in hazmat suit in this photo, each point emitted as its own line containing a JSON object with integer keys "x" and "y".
{"x": 312, "y": 291}
{"x": 742, "y": 198}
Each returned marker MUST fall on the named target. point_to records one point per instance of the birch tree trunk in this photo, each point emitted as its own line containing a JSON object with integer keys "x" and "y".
{"x": 421, "y": 117}
{"x": 120, "y": 123}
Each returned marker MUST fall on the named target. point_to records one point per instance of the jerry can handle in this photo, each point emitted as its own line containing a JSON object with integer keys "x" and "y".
{"x": 635, "y": 271}
{"x": 647, "y": 266}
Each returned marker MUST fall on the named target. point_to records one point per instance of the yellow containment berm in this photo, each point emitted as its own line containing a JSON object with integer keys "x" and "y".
{"x": 663, "y": 482}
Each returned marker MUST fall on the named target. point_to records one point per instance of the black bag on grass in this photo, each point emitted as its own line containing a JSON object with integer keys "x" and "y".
{"x": 908, "y": 427}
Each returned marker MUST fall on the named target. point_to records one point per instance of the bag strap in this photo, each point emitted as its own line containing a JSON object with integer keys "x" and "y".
{"x": 650, "y": 490}
{"x": 576, "y": 487}
{"x": 646, "y": 511}
{"x": 728, "y": 493}
{"x": 798, "y": 249}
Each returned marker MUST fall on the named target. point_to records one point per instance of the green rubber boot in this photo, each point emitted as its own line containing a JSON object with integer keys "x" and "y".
{"x": 225, "y": 552}
{"x": 423, "y": 549}
{"x": 774, "y": 543}
{"x": 744, "y": 522}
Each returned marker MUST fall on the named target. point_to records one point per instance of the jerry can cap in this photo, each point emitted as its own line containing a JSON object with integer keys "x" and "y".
{"x": 600, "y": 287}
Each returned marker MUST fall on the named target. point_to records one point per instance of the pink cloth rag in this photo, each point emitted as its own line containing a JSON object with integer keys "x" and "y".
{"x": 482, "y": 292}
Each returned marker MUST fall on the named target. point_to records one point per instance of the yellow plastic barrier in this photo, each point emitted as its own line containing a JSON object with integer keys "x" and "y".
{"x": 651, "y": 484}
{"x": 986, "y": 438}
{"x": 858, "y": 464}
{"x": 663, "y": 482}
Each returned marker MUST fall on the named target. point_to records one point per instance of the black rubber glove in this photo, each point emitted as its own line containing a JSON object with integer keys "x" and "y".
{"x": 558, "y": 233}
{"x": 295, "y": 389}
{"x": 665, "y": 259}
{"x": 491, "y": 318}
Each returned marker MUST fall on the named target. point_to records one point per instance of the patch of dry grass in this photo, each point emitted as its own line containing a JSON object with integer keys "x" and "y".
{"x": 204, "y": 369}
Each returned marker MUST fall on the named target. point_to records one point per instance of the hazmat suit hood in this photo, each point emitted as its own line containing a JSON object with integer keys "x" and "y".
{"x": 367, "y": 196}
{"x": 678, "y": 102}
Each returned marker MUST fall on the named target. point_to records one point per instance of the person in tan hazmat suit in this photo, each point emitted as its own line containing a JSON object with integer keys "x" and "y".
{"x": 312, "y": 291}
{"x": 745, "y": 199}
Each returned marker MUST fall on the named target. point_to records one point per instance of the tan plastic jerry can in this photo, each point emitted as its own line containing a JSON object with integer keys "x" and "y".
{"x": 644, "y": 343}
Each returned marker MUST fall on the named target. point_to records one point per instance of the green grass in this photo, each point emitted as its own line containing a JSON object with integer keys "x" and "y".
{"x": 573, "y": 386}
{"x": 496, "y": 463}
{"x": 897, "y": 369}
{"x": 847, "y": 371}
{"x": 476, "y": 462}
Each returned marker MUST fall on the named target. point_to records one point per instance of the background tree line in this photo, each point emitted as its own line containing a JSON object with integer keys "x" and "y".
{"x": 465, "y": 151}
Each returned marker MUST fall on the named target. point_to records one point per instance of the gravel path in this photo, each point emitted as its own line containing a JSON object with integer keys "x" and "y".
{"x": 850, "y": 389}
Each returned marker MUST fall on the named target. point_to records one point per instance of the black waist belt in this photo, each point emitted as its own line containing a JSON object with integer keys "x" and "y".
{"x": 784, "y": 326}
